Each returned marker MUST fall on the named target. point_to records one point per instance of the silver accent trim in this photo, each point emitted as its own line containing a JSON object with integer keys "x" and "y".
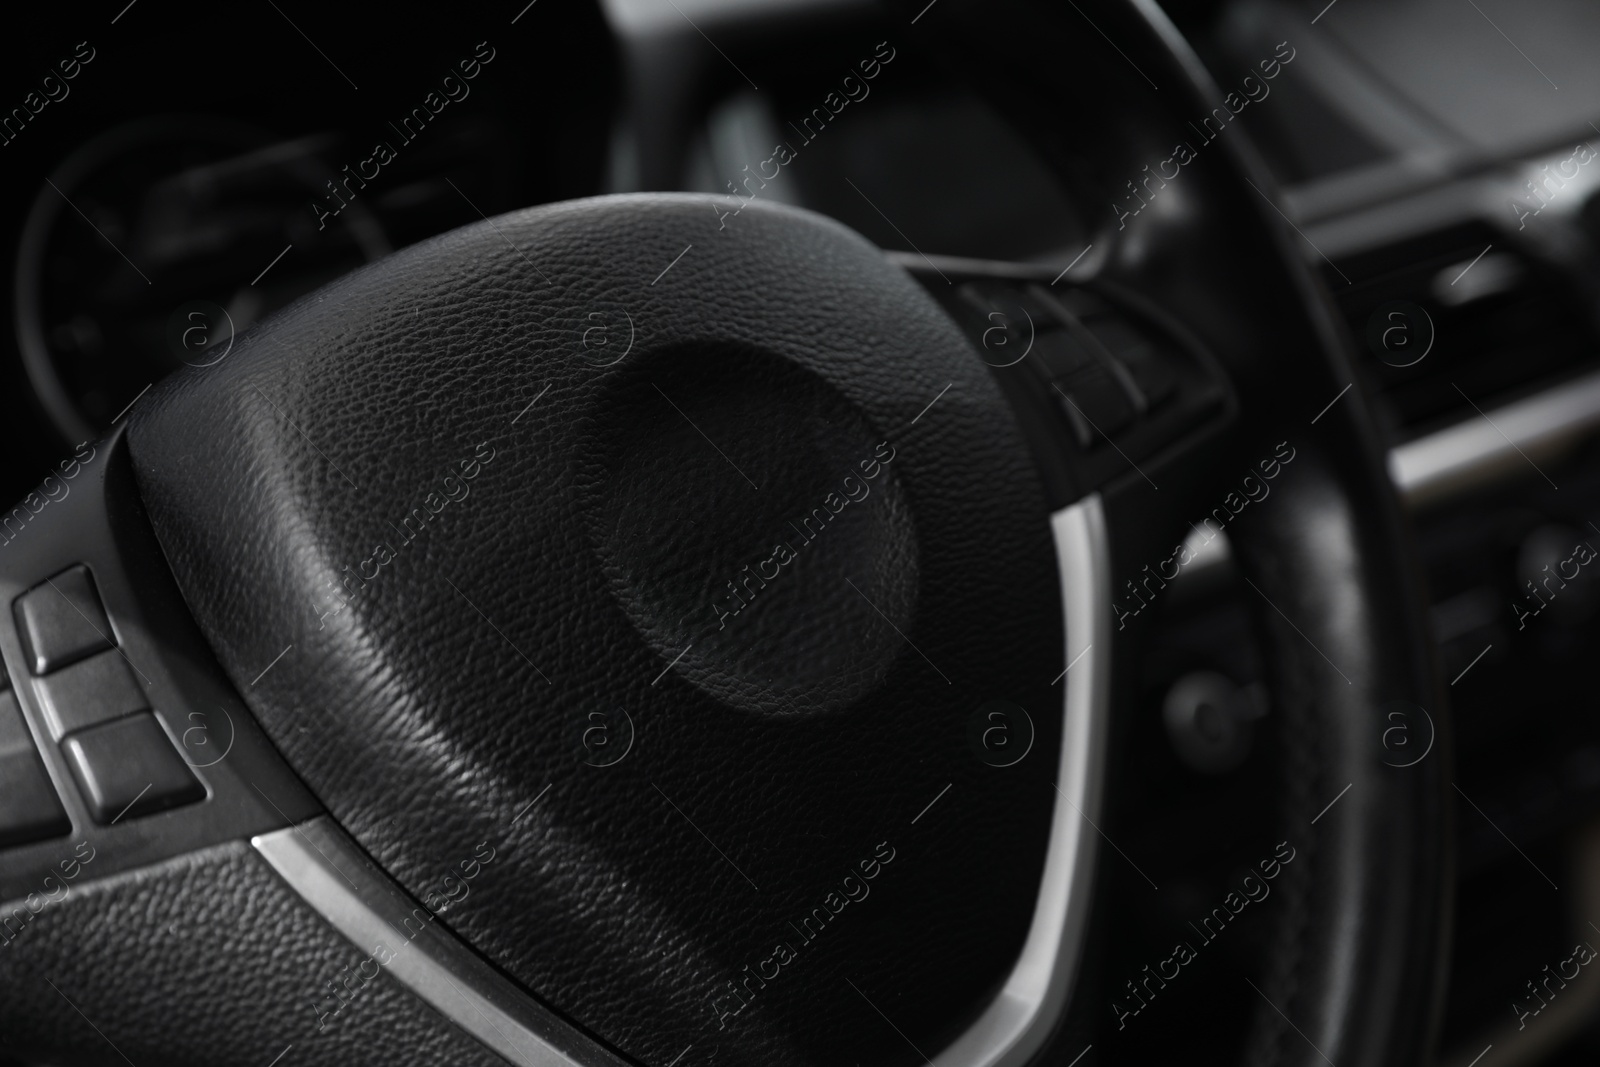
{"x": 1016, "y": 1024}
{"x": 327, "y": 869}
{"x": 1486, "y": 448}
{"x": 331, "y": 874}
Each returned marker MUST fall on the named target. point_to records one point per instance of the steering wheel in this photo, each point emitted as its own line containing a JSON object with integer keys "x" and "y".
{"x": 636, "y": 630}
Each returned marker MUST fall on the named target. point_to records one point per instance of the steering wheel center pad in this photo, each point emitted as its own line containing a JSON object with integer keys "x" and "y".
{"x": 559, "y": 532}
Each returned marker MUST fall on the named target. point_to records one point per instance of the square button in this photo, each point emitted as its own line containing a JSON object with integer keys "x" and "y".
{"x": 1060, "y": 352}
{"x": 1094, "y": 402}
{"x": 92, "y": 691}
{"x": 129, "y": 768}
{"x": 62, "y": 621}
{"x": 29, "y": 807}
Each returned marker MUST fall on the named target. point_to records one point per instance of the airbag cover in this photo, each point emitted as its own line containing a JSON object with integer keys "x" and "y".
{"x": 626, "y": 583}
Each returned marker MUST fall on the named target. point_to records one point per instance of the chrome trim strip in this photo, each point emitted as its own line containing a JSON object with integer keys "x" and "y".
{"x": 1486, "y": 448}
{"x": 1016, "y": 1024}
{"x": 325, "y": 867}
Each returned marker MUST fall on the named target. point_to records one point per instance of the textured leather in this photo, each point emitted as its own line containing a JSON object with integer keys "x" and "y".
{"x": 208, "y": 959}
{"x": 617, "y": 488}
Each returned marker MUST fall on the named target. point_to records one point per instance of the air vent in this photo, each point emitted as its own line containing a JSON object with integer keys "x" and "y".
{"x": 1503, "y": 323}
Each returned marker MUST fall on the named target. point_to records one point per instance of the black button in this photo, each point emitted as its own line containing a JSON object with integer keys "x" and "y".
{"x": 62, "y": 621}
{"x": 1094, "y": 402}
{"x": 1015, "y": 305}
{"x": 29, "y": 807}
{"x": 98, "y": 689}
{"x": 129, "y": 768}
{"x": 1061, "y": 352}
{"x": 1006, "y": 320}
{"x": 1154, "y": 372}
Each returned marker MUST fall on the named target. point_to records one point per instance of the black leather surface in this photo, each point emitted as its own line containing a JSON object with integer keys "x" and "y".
{"x": 1359, "y": 960}
{"x": 208, "y": 959}
{"x": 580, "y": 572}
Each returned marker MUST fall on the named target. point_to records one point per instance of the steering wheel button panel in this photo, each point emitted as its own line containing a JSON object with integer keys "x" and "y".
{"x": 92, "y": 691}
{"x": 62, "y": 621}
{"x": 129, "y": 768}
{"x": 29, "y": 807}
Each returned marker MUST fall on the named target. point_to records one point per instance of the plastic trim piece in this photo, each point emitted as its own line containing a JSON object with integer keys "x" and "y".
{"x": 1022, "y": 1016}
{"x": 322, "y": 864}
{"x": 325, "y": 867}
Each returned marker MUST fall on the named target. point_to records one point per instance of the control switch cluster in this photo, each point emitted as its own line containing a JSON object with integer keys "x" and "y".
{"x": 95, "y": 706}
